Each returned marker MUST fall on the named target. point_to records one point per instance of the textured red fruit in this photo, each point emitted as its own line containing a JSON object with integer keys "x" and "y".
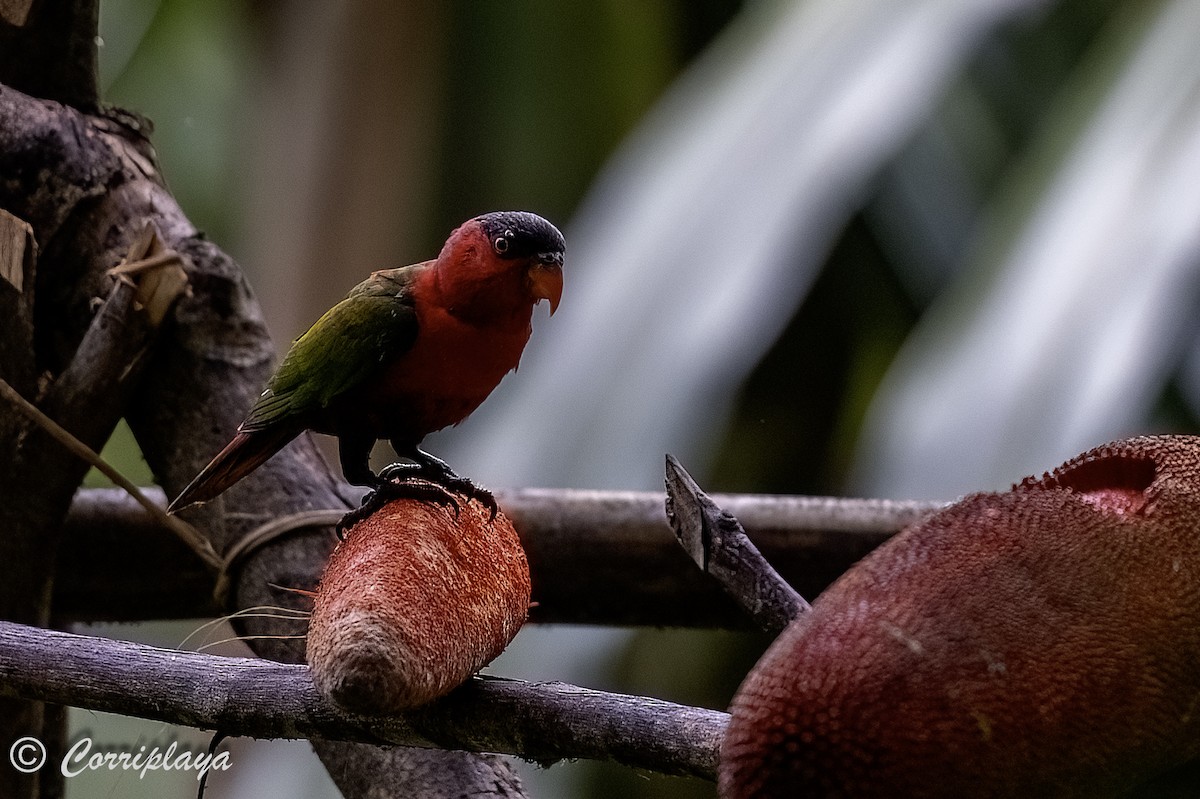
{"x": 1040, "y": 642}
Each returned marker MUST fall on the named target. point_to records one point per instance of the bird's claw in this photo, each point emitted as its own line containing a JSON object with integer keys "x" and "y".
{"x": 468, "y": 488}
{"x": 399, "y": 471}
{"x": 355, "y": 516}
{"x": 437, "y": 473}
{"x": 409, "y": 486}
{"x": 389, "y": 490}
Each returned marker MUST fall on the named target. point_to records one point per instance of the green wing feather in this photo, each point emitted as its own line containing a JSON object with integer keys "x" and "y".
{"x": 349, "y": 343}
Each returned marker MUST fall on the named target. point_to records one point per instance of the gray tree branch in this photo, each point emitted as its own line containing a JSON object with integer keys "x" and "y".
{"x": 544, "y": 722}
{"x": 596, "y": 557}
{"x": 40, "y": 476}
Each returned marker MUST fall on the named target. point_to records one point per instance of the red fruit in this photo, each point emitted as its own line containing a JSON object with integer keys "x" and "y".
{"x": 1039, "y": 642}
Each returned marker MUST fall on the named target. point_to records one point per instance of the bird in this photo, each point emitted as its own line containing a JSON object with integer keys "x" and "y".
{"x": 407, "y": 352}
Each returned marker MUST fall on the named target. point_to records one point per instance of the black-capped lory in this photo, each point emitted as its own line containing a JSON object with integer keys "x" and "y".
{"x": 407, "y": 352}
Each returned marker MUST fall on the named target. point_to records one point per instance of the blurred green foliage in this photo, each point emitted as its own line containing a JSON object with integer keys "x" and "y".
{"x": 539, "y": 93}
{"x": 184, "y": 65}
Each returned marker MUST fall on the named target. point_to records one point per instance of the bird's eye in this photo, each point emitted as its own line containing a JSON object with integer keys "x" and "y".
{"x": 501, "y": 244}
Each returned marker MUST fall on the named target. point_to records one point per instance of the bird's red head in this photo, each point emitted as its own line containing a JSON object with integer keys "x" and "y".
{"x": 505, "y": 257}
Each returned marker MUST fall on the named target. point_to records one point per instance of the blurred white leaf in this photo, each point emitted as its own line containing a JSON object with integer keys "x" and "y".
{"x": 701, "y": 240}
{"x": 1065, "y": 327}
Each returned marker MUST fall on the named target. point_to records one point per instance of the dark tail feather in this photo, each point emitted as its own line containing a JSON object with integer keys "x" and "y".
{"x": 245, "y": 453}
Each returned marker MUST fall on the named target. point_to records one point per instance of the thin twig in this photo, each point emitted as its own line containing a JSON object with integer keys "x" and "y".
{"x": 185, "y": 531}
{"x": 142, "y": 265}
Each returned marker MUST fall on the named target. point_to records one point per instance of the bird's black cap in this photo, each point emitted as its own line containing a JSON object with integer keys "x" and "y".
{"x": 527, "y": 235}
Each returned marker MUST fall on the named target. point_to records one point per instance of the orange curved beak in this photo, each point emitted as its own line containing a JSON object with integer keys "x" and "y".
{"x": 546, "y": 282}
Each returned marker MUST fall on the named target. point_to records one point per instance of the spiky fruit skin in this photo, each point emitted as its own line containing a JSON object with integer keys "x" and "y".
{"x": 1039, "y": 642}
{"x": 414, "y": 601}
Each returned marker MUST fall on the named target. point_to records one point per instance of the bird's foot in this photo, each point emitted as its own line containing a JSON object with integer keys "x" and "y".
{"x": 438, "y": 472}
{"x": 386, "y": 490}
{"x": 428, "y": 479}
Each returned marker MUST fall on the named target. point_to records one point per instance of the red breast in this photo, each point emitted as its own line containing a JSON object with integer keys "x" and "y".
{"x": 451, "y": 369}
{"x": 474, "y": 311}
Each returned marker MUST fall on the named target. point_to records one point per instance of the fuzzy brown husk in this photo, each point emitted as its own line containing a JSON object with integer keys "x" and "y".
{"x": 413, "y": 602}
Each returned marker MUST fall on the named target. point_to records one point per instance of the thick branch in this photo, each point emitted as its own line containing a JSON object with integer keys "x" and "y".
{"x": 40, "y": 477}
{"x": 47, "y": 47}
{"x": 117, "y": 558}
{"x": 17, "y": 270}
{"x": 597, "y": 557}
{"x": 544, "y": 722}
